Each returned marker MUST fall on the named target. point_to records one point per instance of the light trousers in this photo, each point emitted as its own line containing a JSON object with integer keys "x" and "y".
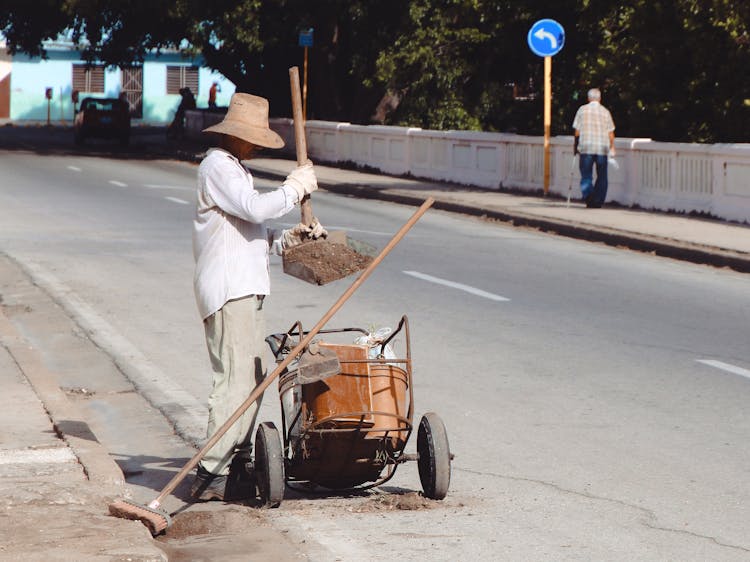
{"x": 235, "y": 339}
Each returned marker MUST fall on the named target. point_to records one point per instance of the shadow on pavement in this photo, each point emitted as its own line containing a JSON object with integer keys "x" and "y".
{"x": 154, "y": 473}
{"x": 146, "y": 143}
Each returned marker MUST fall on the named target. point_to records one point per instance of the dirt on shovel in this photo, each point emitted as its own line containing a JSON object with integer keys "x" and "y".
{"x": 323, "y": 261}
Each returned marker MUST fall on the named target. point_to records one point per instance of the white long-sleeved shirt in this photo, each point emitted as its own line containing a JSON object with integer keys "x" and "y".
{"x": 230, "y": 241}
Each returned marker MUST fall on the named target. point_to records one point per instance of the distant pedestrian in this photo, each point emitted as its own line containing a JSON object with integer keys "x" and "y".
{"x": 594, "y": 141}
{"x": 212, "y": 94}
{"x": 123, "y": 97}
{"x": 187, "y": 101}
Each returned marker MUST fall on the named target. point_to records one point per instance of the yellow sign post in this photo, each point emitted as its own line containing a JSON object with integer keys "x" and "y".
{"x": 305, "y": 40}
{"x": 546, "y": 38}
{"x": 547, "y": 119}
{"x": 304, "y": 89}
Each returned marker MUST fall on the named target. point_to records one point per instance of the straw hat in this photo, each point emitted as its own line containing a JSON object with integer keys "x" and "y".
{"x": 247, "y": 119}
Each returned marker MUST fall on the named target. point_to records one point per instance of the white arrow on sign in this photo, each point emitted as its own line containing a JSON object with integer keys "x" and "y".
{"x": 541, "y": 34}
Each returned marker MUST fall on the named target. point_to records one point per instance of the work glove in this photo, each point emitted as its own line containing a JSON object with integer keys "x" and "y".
{"x": 302, "y": 179}
{"x": 302, "y": 233}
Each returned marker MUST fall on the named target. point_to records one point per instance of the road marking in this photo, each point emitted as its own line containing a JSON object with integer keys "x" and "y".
{"x": 459, "y": 286}
{"x": 726, "y": 367}
{"x": 175, "y": 200}
{"x": 74, "y": 168}
{"x": 118, "y": 183}
{"x": 160, "y": 186}
{"x": 33, "y": 456}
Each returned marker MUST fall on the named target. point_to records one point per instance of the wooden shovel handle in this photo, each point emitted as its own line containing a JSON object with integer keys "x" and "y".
{"x": 299, "y": 138}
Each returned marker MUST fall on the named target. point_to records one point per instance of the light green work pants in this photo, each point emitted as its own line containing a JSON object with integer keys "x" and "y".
{"x": 235, "y": 339}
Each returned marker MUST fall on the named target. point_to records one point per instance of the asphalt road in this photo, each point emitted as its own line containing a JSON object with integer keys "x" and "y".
{"x": 595, "y": 398}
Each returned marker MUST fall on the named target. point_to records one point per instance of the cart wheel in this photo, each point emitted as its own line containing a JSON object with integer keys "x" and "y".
{"x": 434, "y": 456}
{"x": 269, "y": 465}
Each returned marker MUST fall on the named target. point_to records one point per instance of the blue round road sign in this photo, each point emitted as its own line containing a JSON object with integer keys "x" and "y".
{"x": 546, "y": 38}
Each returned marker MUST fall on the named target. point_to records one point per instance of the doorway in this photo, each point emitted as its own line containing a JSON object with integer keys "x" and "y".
{"x": 132, "y": 87}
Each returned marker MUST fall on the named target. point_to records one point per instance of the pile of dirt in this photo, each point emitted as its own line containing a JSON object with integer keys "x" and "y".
{"x": 223, "y": 532}
{"x": 321, "y": 261}
{"x": 213, "y": 521}
{"x": 390, "y": 502}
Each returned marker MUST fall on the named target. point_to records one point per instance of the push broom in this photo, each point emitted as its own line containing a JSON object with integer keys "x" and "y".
{"x": 153, "y": 515}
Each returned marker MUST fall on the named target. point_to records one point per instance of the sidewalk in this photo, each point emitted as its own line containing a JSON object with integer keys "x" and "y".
{"x": 692, "y": 239}
{"x": 56, "y": 480}
{"x": 71, "y": 424}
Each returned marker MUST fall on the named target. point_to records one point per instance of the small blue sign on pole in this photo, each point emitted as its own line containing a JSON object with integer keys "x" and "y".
{"x": 306, "y": 38}
{"x": 546, "y": 38}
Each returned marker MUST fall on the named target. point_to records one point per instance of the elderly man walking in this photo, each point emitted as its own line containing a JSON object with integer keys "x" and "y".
{"x": 594, "y": 140}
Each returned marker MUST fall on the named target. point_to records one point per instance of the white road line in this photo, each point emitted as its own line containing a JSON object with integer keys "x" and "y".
{"x": 459, "y": 286}
{"x": 726, "y": 367}
{"x": 118, "y": 183}
{"x": 160, "y": 186}
{"x": 74, "y": 168}
{"x": 175, "y": 200}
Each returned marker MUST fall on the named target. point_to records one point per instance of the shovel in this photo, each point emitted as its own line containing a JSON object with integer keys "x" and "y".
{"x": 324, "y": 260}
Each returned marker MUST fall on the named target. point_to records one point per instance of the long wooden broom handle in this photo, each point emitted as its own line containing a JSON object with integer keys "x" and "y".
{"x": 260, "y": 389}
{"x": 299, "y": 139}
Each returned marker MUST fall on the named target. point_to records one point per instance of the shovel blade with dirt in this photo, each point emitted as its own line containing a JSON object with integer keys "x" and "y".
{"x": 326, "y": 259}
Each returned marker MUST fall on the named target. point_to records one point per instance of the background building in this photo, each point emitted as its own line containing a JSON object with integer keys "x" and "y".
{"x": 152, "y": 88}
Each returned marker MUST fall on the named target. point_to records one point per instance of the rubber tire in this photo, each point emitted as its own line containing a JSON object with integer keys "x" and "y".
{"x": 434, "y": 456}
{"x": 269, "y": 465}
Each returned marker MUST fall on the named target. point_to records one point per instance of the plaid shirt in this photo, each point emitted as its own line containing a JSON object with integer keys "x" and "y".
{"x": 594, "y": 124}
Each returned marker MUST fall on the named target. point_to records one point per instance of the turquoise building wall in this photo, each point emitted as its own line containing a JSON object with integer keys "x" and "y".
{"x": 31, "y": 76}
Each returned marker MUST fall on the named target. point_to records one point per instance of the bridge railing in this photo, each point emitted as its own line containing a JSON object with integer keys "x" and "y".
{"x": 682, "y": 177}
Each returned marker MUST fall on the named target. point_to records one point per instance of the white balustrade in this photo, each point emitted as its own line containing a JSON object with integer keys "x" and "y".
{"x": 689, "y": 178}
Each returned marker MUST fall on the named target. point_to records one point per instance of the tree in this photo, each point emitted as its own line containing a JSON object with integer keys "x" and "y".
{"x": 673, "y": 69}
{"x": 668, "y": 69}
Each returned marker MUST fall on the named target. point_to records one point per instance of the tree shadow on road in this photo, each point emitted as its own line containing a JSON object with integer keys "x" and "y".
{"x": 146, "y": 143}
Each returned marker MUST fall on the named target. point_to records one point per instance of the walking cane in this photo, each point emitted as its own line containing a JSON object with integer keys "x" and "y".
{"x": 570, "y": 181}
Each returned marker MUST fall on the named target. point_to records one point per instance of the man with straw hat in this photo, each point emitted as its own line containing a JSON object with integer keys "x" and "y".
{"x": 231, "y": 246}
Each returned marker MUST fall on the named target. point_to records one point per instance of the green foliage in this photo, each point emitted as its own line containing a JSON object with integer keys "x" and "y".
{"x": 674, "y": 69}
{"x": 26, "y": 24}
{"x": 669, "y": 69}
{"x": 421, "y": 65}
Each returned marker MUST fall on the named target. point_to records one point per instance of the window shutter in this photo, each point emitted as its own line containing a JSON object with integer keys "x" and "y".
{"x": 88, "y": 79}
{"x": 179, "y": 77}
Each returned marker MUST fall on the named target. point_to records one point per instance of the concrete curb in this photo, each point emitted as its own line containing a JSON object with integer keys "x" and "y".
{"x": 66, "y": 418}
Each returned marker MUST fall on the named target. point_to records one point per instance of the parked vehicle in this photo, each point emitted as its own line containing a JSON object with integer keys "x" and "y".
{"x": 102, "y": 118}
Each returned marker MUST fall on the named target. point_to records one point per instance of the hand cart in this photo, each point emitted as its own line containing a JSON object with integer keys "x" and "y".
{"x": 347, "y": 429}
